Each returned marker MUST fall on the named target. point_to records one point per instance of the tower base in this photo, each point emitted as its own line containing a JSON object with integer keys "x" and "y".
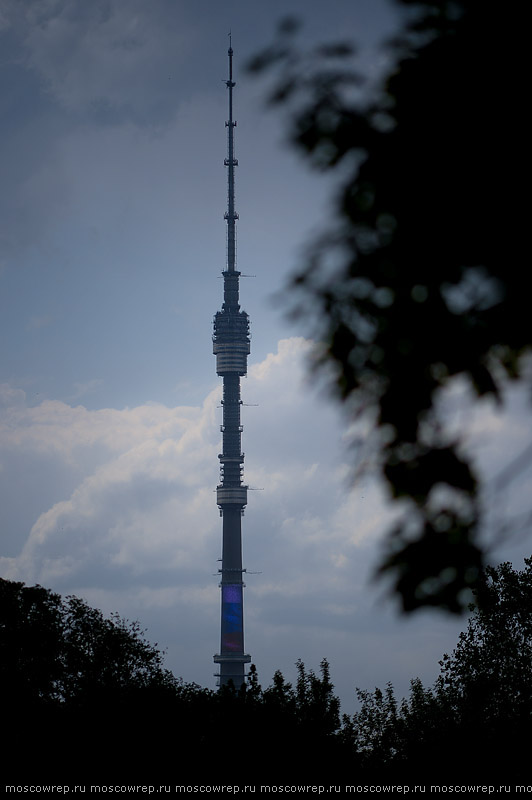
{"x": 232, "y": 668}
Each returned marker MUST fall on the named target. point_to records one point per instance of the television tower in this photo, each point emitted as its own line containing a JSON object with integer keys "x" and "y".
{"x": 231, "y": 346}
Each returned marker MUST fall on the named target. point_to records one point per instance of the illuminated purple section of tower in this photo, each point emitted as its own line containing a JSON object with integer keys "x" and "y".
{"x": 232, "y": 618}
{"x": 231, "y": 346}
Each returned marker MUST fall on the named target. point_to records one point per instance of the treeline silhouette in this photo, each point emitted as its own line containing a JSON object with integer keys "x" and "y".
{"x": 85, "y": 698}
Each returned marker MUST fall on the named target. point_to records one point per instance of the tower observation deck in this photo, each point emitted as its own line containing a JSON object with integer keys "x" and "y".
{"x": 231, "y": 346}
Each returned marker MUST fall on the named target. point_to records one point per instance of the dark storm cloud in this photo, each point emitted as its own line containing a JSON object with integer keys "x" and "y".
{"x": 106, "y": 60}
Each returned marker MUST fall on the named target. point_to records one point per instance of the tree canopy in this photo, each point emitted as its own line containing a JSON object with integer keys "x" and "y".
{"x": 61, "y": 649}
{"x": 93, "y": 692}
{"x": 489, "y": 674}
{"x": 123, "y": 716}
{"x": 417, "y": 280}
{"x": 77, "y": 686}
{"x": 477, "y": 719}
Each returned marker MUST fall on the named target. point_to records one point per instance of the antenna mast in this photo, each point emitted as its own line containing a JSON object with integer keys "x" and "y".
{"x": 231, "y": 162}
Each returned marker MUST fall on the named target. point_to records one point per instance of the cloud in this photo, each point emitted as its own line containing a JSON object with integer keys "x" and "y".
{"x": 141, "y": 507}
{"x": 139, "y": 472}
{"x": 108, "y": 56}
{"x": 497, "y": 437}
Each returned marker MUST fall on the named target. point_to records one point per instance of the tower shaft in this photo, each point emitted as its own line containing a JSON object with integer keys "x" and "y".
{"x": 231, "y": 346}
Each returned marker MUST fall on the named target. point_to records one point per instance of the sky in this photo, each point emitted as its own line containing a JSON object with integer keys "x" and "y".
{"x": 112, "y": 243}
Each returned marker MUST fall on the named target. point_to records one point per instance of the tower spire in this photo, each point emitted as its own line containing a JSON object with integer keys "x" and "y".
{"x": 231, "y": 346}
{"x": 231, "y": 162}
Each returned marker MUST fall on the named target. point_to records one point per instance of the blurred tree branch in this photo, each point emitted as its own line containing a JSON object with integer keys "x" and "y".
{"x": 416, "y": 280}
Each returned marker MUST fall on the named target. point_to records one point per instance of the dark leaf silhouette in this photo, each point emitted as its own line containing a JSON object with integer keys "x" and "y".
{"x": 417, "y": 281}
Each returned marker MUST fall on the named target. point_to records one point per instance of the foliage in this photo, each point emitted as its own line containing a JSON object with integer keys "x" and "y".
{"x": 65, "y": 667}
{"x": 295, "y": 728}
{"x": 488, "y": 677}
{"x": 374, "y": 729}
{"x": 69, "y": 675}
{"x": 316, "y": 705}
{"x": 415, "y": 282}
{"x": 478, "y": 716}
{"x": 109, "y": 654}
{"x": 55, "y": 649}
{"x": 31, "y": 640}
